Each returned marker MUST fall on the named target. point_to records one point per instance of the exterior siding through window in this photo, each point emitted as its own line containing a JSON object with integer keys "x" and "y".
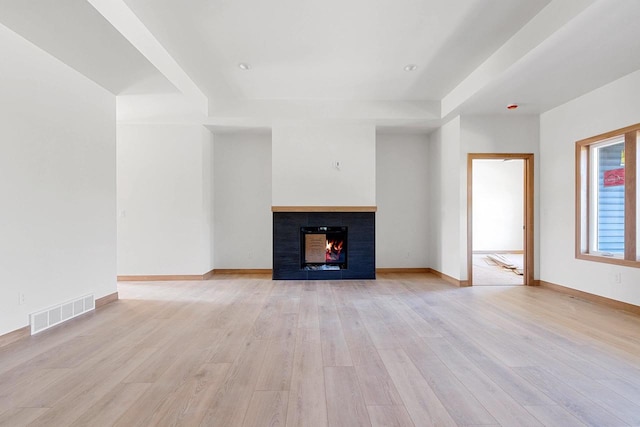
{"x": 610, "y": 202}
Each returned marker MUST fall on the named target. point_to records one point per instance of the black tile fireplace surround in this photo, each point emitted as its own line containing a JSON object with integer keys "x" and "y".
{"x": 287, "y": 245}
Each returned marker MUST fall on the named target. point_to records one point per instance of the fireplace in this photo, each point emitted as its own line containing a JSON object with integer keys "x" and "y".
{"x": 323, "y": 245}
{"x": 323, "y": 248}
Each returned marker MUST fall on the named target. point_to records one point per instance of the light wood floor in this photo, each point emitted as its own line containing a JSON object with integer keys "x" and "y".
{"x": 403, "y": 350}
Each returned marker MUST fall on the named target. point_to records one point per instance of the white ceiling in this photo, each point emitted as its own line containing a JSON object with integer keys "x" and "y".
{"x": 333, "y": 49}
{"x": 598, "y": 46}
{"x": 75, "y": 33}
{"x": 333, "y": 59}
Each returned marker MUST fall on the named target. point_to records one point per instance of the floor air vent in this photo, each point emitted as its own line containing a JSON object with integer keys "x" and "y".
{"x": 60, "y": 313}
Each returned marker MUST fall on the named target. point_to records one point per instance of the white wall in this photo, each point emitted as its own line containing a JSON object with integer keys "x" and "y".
{"x": 57, "y": 180}
{"x": 611, "y": 107}
{"x": 243, "y": 219}
{"x": 302, "y": 157}
{"x": 164, "y": 200}
{"x": 498, "y": 196}
{"x": 402, "y": 220}
{"x": 445, "y": 211}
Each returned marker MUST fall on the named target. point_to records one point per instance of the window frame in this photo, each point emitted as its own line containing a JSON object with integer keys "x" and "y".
{"x": 583, "y": 180}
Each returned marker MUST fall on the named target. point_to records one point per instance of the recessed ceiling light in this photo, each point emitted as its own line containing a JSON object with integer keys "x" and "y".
{"x": 512, "y": 106}
{"x": 410, "y": 67}
{"x": 244, "y": 66}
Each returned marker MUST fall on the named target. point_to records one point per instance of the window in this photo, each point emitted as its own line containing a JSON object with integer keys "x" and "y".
{"x": 606, "y": 194}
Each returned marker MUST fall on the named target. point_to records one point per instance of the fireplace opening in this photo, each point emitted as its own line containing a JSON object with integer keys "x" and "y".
{"x": 323, "y": 248}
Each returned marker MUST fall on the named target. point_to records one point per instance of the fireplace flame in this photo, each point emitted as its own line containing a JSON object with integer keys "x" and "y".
{"x": 334, "y": 248}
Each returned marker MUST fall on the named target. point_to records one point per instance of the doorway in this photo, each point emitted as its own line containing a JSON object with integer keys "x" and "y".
{"x": 500, "y": 219}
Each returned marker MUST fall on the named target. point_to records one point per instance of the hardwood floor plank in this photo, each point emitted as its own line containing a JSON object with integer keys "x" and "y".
{"x": 519, "y": 389}
{"x": 420, "y": 327}
{"x": 112, "y": 405}
{"x": 554, "y": 415}
{"x": 20, "y": 416}
{"x": 17, "y": 394}
{"x": 289, "y": 294}
{"x": 586, "y": 410}
{"x": 146, "y": 406}
{"x": 239, "y": 322}
{"x": 188, "y": 404}
{"x": 267, "y": 409}
{"x": 87, "y": 392}
{"x": 375, "y": 383}
{"x": 625, "y": 409}
{"x": 308, "y": 316}
{"x": 551, "y": 313}
{"x": 628, "y": 368}
{"x": 307, "y": 404}
{"x": 184, "y": 369}
{"x": 233, "y": 397}
{"x": 335, "y": 351}
{"x": 325, "y": 293}
{"x": 592, "y": 327}
{"x": 524, "y": 334}
{"x": 74, "y": 352}
{"x": 461, "y": 404}
{"x": 345, "y": 405}
{"x": 389, "y": 416}
{"x": 355, "y": 332}
{"x": 154, "y": 367}
{"x": 53, "y": 357}
{"x": 267, "y": 319}
{"x": 497, "y": 401}
{"x": 285, "y": 327}
{"x": 489, "y": 337}
{"x": 278, "y": 365}
{"x": 51, "y": 394}
{"x": 423, "y": 405}
{"x": 229, "y": 344}
{"x": 629, "y": 390}
{"x": 378, "y": 330}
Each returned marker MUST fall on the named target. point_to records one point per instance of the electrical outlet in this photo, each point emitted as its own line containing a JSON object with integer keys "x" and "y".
{"x": 20, "y": 298}
{"x": 617, "y": 278}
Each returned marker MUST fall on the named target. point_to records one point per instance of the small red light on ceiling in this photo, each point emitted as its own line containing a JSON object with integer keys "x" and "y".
{"x": 512, "y": 106}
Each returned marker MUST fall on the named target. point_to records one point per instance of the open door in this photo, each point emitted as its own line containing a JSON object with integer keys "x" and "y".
{"x": 522, "y": 164}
